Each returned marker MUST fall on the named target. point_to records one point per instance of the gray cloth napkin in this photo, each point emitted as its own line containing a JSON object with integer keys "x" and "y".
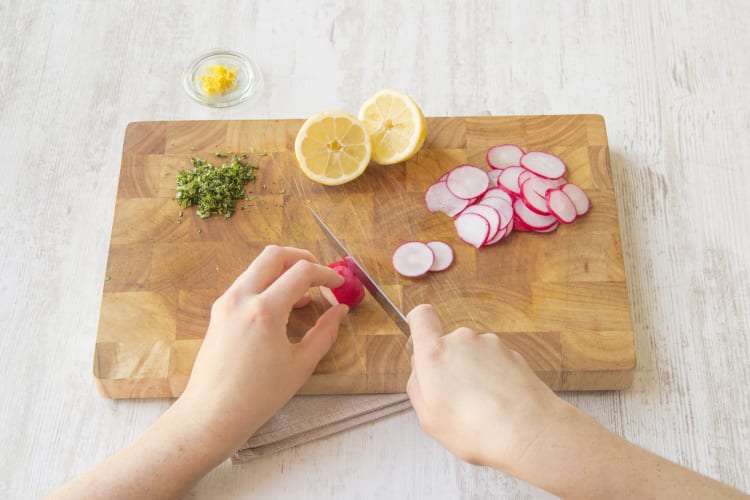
{"x": 306, "y": 418}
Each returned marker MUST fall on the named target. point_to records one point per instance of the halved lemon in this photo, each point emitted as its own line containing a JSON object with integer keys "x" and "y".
{"x": 396, "y": 126}
{"x": 332, "y": 148}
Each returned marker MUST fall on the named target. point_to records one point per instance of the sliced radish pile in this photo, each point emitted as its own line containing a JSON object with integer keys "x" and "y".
{"x": 414, "y": 259}
{"x": 504, "y": 155}
{"x": 522, "y": 191}
{"x": 443, "y": 255}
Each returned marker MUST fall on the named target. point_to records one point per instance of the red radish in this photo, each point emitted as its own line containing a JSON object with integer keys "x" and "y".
{"x": 443, "y": 255}
{"x": 491, "y": 215}
{"x": 578, "y": 197}
{"x": 504, "y": 155}
{"x": 543, "y": 164}
{"x": 560, "y": 206}
{"x": 467, "y": 181}
{"x": 472, "y": 228}
{"x": 350, "y": 293}
{"x": 508, "y": 180}
{"x": 532, "y": 219}
{"x": 413, "y": 259}
{"x": 439, "y": 199}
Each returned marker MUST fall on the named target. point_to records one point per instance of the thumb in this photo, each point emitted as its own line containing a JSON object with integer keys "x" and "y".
{"x": 320, "y": 338}
{"x": 425, "y": 326}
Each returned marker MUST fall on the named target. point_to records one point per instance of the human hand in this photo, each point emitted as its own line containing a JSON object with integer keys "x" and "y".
{"x": 477, "y": 397}
{"x": 247, "y": 368}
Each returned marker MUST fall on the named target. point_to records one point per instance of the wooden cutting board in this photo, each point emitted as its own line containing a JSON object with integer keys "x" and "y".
{"x": 559, "y": 299}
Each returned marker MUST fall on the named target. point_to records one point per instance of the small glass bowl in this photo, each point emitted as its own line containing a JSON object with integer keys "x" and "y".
{"x": 249, "y": 78}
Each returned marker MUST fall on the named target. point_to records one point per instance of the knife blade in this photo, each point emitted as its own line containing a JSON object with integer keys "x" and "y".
{"x": 356, "y": 268}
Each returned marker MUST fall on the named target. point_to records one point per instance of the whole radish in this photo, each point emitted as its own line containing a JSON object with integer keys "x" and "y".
{"x": 350, "y": 293}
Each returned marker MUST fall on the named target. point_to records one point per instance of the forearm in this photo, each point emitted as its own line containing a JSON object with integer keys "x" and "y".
{"x": 166, "y": 461}
{"x": 581, "y": 459}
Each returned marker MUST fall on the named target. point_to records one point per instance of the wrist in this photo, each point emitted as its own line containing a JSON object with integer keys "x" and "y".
{"x": 569, "y": 451}
{"x": 549, "y": 443}
{"x": 197, "y": 432}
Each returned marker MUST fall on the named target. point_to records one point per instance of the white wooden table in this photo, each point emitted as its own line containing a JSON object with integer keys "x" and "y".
{"x": 671, "y": 78}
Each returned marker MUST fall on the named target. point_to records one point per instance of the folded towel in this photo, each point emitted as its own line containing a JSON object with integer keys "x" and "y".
{"x": 306, "y": 418}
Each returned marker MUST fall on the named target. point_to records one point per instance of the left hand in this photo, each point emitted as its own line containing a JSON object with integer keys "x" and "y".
{"x": 247, "y": 368}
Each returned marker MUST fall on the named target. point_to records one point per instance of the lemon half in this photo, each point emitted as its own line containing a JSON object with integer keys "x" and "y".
{"x": 333, "y": 148}
{"x": 396, "y": 126}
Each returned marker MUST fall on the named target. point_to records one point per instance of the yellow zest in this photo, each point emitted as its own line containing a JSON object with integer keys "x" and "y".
{"x": 219, "y": 79}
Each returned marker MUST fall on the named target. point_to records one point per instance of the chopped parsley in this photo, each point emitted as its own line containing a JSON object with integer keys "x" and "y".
{"x": 215, "y": 190}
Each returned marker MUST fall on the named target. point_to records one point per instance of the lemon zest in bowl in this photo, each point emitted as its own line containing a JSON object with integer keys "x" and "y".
{"x": 219, "y": 79}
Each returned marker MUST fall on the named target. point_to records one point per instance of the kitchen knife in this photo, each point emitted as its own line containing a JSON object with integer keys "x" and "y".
{"x": 381, "y": 298}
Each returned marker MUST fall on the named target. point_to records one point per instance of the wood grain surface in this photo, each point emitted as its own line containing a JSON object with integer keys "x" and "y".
{"x": 670, "y": 77}
{"x": 558, "y": 299}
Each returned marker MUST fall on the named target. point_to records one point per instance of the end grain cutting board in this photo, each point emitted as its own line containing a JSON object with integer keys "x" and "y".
{"x": 559, "y": 299}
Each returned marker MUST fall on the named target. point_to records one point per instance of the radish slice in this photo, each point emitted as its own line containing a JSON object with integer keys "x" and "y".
{"x": 543, "y": 164}
{"x": 533, "y": 194}
{"x": 503, "y": 207}
{"x": 578, "y": 197}
{"x": 490, "y": 214}
{"x": 524, "y": 176}
{"x": 502, "y": 234}
{"x": 467, "y": 181}
{"x": 560, "y": 206}
{"x": 493, "y": 175}
{"x": 532, "y": 219}
{"x": 413, "y": 259}
{"x": 438, "y": 198}
{"x": 547, "y": 230}
{"x": 497, "y": 193}
{"x": 504, "y": 155}
{"x": 520, "y": 225}
{"x": 443, "y": 255}
{"x": 472, "y": 228}
{"x": 508, "y": 180}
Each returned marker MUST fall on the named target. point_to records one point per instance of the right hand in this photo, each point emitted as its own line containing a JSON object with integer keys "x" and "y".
{"x": 477, "y": 397}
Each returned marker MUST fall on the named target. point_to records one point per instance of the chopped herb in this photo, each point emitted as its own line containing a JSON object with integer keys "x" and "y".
{"x": 193, "y": 148}
{"x": 251, "y": 149}
{"x": 264, "y": 153}
{"x": 200, "y": 231}
{"x": 282, "y": 191}
{"x": 107, "y": 278}
{"x": 221, "y": 155}
{"x": 215, "y": 190}
{"x": 264, "y": 187}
